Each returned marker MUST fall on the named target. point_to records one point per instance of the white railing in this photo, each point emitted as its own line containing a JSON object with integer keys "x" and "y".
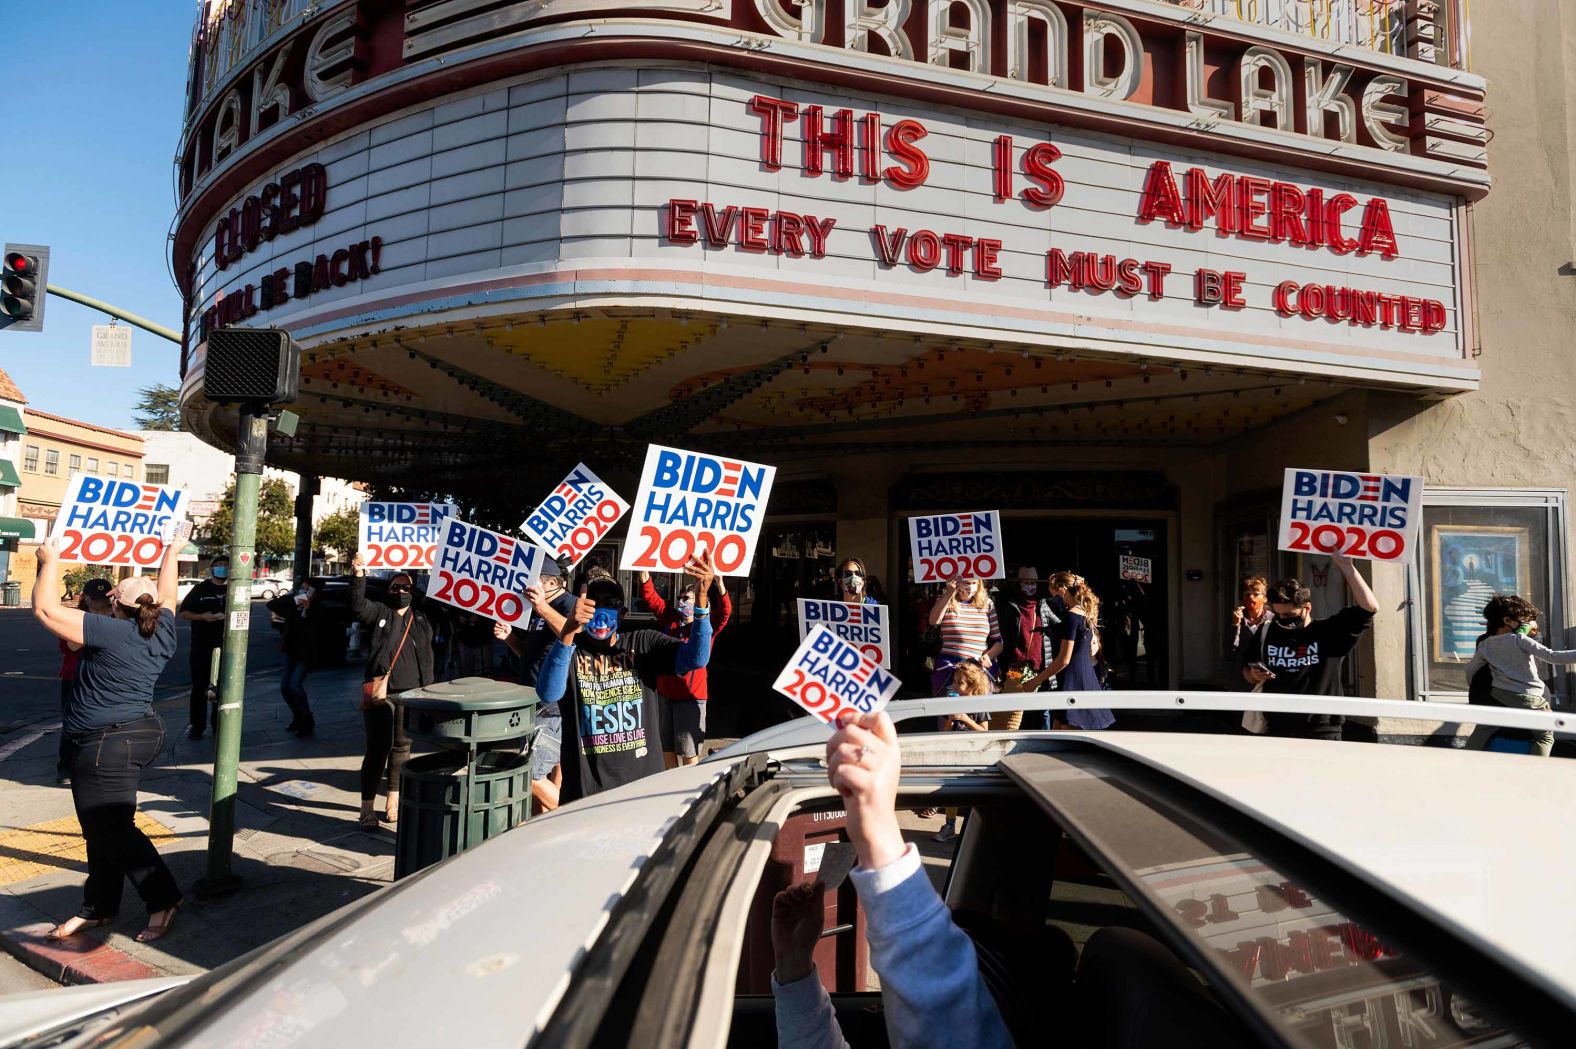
{"x": 805, "y": 730}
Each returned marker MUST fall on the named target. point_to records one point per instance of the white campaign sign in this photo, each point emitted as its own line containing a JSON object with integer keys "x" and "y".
{"x": 688, "y": 502}
{"x": 576, "y": 517}
{"x": 485, "y": 572}
{"x": 949, "y": 546}
{"x": 867, "y": 627}
{"x": 111, "y": 346}
{"x": 108, "y": 522}
{"x": 400, "y": 535}
{"x": 828, "y": 676}
{"x": 1360, "y": 515}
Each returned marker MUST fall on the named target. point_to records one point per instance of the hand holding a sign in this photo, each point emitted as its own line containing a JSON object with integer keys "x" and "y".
{"x": 585, "y": 608}
{"x": 358, "y": 564}
{"x": 863, "y": 765}
{"x": 48, "y": 552}
{"x": 701, "y": 570}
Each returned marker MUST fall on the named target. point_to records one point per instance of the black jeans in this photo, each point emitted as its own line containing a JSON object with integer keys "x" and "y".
{"x": 388, "y": 747}
{"x": 105, "y": 765}
{"x": 201, "y": 666}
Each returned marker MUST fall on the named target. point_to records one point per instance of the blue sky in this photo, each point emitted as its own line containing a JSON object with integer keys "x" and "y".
{"x": 98, "y": 136}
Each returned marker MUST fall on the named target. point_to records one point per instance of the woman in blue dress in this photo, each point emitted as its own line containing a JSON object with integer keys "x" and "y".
{"x": 1074, "y": 666}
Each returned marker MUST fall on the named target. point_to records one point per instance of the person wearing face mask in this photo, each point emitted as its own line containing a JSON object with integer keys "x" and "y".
{"x": 1511, "y": 655}
{"x": 969, "y": 631}
{"x": 853, "y": 583}
{"x": 204, "y": 610}
{"x": 1295, "y": 654}
{"x": 304, "y": 623}
{"x": 552, "y": 605}
{"x": 1027, "y": 626}
{"x": 606, "y": 678}
{"x": 1076, "y": 638}
{"x": 683, "y": 703}
{"x": 400, "y": 647}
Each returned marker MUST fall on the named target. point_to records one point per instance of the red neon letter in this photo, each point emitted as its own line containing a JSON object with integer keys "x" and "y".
{"x": 774, "y": 113}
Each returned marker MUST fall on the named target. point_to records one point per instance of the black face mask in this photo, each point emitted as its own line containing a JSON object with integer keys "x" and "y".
{"x": 402, "y": 598}
{"x": 1289, "y": 622}
{"x": 1057, "y": 602}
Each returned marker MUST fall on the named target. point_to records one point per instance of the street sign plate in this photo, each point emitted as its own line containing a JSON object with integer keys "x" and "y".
{"x": 111, "y": 346}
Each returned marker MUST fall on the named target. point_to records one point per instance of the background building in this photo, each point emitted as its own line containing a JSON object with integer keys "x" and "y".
{"x": 13, "y": 527}
{"x": 1109, "y": 266}
{"x": 184, "y": 461}
{"x": 54, "y": 448}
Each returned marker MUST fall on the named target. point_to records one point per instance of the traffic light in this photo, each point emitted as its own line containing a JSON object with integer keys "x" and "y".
{"x": 22, "y": 284}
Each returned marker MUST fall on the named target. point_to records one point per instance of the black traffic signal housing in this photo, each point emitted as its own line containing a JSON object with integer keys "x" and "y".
{"x": 251, "y": 366}
{"x": 22, "y": 283}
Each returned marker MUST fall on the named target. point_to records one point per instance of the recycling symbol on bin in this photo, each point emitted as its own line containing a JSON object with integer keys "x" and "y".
{"x": 514, "y": 720}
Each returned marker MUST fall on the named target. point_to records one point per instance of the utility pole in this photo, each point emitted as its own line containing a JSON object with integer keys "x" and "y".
{"x": 250, "y": 445}
{"x": 256, "y": 368}
{"x": 305, "y": 497}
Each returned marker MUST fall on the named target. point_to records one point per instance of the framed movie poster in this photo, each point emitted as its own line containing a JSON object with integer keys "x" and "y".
{"x": 1468, "y": 564}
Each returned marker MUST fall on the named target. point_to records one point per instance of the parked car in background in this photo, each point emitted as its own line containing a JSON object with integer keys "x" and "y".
{"x": 184, "y": 585}
{"x": 269, "y": 587}
{"x": 1297, "y": 893}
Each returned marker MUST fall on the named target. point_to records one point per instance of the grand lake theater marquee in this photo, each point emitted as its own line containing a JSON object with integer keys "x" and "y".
{"x": 504, "y": 231}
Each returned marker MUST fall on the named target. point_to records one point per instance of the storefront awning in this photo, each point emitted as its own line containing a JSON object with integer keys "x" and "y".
{"x": 11, "y": 420}
{"x": 16, "y": 528}
{"x": 8, "y": 474}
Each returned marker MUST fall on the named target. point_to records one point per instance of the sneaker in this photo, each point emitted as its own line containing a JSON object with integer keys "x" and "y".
{"x": 194, "y": 733}
{"x": 62, "y": 779}
{"x": 293, "y": 727}
{"x": 946, "y": 833}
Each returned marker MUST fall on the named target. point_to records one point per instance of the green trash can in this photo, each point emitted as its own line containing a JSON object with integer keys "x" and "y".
{"x": 11, "y": 594}
{"x": 439, "y": 818}
{"x": 479, "y": 783}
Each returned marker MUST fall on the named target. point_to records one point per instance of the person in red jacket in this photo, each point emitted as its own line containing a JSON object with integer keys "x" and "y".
{"x": 683, "y": 714}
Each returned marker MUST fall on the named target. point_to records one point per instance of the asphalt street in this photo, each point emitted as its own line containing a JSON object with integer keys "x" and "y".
{"x": 30, "y": 667}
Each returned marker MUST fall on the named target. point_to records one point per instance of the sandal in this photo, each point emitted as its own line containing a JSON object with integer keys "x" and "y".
{"x": 57, "y": 935}
{"x": 369, "y": 822}
{"x": 157, "y": 931}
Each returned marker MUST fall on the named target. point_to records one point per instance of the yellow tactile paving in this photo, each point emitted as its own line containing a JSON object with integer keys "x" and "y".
{"x": 57, "y": 845}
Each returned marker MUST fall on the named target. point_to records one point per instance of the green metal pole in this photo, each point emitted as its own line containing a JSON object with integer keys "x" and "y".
{"x": 114, "y": 311}
{"x": 251, "y": 443}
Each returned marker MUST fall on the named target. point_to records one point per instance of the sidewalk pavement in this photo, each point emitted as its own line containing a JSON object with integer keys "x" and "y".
{"x": 297, "y": 845}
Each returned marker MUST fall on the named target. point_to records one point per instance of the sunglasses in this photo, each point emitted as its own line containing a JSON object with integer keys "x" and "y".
{"x": 400, "y": 589}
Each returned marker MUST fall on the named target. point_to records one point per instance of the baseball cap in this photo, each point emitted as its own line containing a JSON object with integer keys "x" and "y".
{"x": 550, "y": 567}
{"x": 130, "y": 591}
{"x": 98, "y": 589}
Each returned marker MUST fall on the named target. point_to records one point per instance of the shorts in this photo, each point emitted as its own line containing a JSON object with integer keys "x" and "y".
{"x": 683, "y": 726}
{"x": 549, "y": 740}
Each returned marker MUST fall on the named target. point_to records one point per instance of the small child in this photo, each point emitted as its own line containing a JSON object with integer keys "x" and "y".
{"x": 968, "y": 679}
{"x": 1510, "y": 653}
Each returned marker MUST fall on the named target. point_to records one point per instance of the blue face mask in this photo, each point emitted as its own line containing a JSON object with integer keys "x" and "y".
{"x": 604, "y": 623}
{"x": 686, "y": 606}
{"x": 221, "y": 571}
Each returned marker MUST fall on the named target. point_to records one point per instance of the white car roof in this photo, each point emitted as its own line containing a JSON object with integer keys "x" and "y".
{"x": 1479, "y": 841}
{"x": 1472, "y": 838}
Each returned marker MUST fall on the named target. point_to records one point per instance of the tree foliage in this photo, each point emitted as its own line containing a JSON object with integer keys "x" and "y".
{"x": 275, "y": 519}
{"x": 158, "y": 408}
{"x": 339, "y": 532}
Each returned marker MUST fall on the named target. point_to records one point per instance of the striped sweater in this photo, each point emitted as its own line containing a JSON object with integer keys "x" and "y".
{"x": 966, "y": 631}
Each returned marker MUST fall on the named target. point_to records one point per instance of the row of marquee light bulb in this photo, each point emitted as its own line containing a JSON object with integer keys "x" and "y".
{"x": 883, "y": 403}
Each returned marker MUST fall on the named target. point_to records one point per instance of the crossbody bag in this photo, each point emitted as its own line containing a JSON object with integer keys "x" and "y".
{"x": 375, "y": 692}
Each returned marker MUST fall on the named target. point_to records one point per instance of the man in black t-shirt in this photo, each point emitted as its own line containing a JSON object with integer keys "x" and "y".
{"x": 203, "y": 608}
{"x": 1304, "y": 655}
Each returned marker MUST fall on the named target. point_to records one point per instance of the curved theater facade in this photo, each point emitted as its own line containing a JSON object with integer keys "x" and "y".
{"x": 1069, "y": 259}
